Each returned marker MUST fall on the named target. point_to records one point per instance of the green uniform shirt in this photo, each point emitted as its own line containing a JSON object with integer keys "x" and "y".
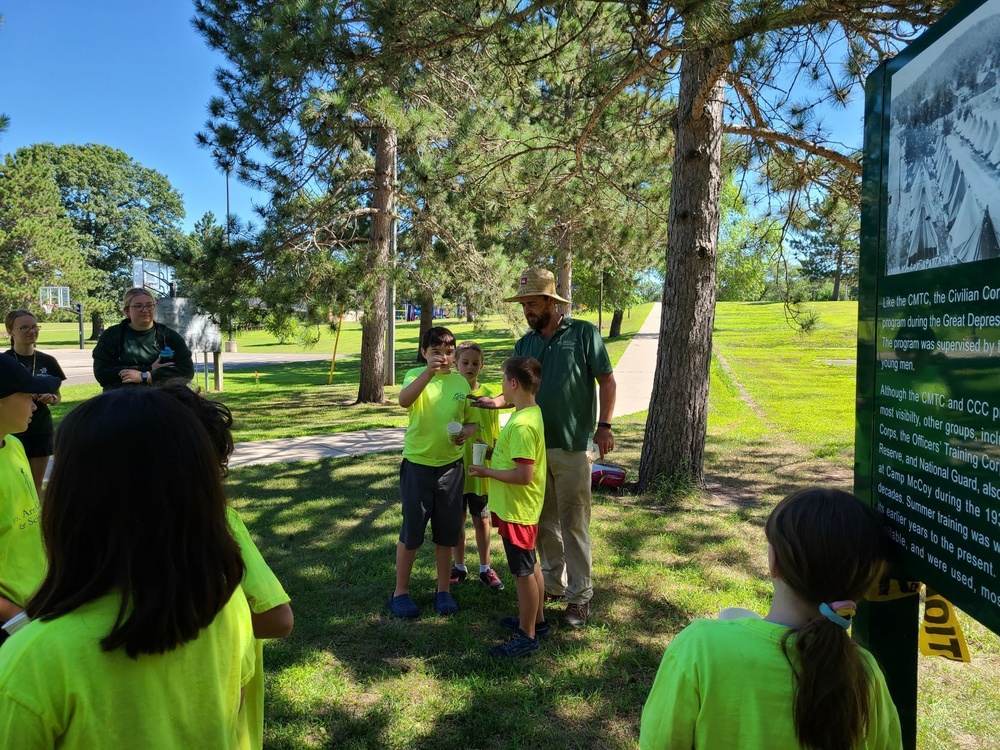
{"x": 727, "y": 684}
{"x": 59, "y": 689}
{"x": 489, "y": 428}
{"x": 571, "y": 362}
{"x": 442, "y": 400}
{"x": 522, "y": 437}
{"x": 263, "y": 591}
{"x": 22, "y": 556}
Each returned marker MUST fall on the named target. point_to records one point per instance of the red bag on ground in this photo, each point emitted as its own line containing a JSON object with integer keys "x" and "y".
{"x": 607, "y": 475}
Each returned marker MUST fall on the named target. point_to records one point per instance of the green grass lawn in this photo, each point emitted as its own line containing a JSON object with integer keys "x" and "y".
{"x": 350, "y": 676}
{"x": 299, "y": 401}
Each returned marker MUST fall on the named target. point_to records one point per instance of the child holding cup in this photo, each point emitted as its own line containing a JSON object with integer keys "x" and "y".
{"x": 469, "y": 363}
{"x": 517, "y": 491}
{"x": 432, "y": 473}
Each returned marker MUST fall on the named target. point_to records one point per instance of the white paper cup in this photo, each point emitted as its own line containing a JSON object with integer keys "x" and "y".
{"x": 594, "y": 452}
{"x": 454, "y": 429}
{"x": 478, "y": 454}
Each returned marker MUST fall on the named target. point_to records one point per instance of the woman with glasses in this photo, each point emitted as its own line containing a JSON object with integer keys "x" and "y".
{"x": 139, "y": 351}
{"x": 22, "y": 327}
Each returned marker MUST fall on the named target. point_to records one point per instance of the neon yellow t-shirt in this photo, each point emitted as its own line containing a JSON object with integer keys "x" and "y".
{"x": 59, "y": 689}
{"x": 489, "y": 428}
{"x": 522, "y": 437}
{"x": 727, "y": 683}
{"x": 263, "y": 591}
{"x": 22, "y": 556}
{"x": 443, "y": 400}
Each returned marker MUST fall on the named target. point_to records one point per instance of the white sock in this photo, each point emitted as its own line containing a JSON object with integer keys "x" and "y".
{"x": 483, "y": 568}
{"x": 462, "y": 567}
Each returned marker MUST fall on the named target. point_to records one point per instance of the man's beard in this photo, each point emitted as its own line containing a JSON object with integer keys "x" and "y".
{"x": 541, "y": 321}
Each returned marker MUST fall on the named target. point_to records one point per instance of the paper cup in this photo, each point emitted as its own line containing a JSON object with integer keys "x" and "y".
{"x": 478, "y": 454}
{"x": 594, "y": 452}
{"x": 454, "y": 428}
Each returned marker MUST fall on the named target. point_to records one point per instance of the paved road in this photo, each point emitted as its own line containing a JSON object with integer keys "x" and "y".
{"x": 78, "y": 364}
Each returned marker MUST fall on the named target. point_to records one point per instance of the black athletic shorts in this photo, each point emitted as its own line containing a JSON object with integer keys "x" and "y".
{"x": 37, "y": 446}
{"x": 520, "y": 561}
{"x": 431, "y": 493}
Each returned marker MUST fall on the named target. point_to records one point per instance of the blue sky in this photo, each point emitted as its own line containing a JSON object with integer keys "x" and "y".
{"x": 131, "y": 74}
{"x": 134, "y": 75}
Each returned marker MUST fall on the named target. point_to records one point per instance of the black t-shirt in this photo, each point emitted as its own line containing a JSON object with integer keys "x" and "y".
{"x": 39, "y": 363}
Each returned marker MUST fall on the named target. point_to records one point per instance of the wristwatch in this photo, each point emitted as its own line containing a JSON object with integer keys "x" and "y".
{"x": 606, "y": 425}
{"x": 145, "y": 377}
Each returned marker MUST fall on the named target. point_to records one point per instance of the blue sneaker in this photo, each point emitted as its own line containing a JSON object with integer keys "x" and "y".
{"x": 444, "y": 603}
{"x": 518, "y": 645}
{"x": 542, "y": 628}
{"x": 402, "y": 606}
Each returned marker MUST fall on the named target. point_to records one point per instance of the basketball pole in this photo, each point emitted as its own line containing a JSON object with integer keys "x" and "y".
{"x": 79, "y": 317}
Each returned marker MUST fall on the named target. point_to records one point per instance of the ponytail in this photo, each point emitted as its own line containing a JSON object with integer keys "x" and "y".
{"x": 828, "y": 546}
{"x": 832, "y": 695}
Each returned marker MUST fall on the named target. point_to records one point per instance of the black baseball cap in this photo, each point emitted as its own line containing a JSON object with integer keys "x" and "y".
{"x": 15, "y": 378}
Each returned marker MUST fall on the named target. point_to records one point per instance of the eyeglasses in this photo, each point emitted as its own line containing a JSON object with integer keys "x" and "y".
{"x": 148, "y": 307}
{"x": 28, "y": 329}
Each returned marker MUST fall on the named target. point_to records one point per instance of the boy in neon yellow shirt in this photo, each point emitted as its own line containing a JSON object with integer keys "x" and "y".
{"x": 22, "y": 557}
{"x": 432, "y": 474}
{"x": 469, "y": 363}
{"x": 516, "y": 496}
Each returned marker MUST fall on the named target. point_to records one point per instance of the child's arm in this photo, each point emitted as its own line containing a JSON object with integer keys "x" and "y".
{"x": 8, "y": 609}
{"x": 522, "y": 473}
{"x": 411, "y": 391}
{"x": 276, "y": 622}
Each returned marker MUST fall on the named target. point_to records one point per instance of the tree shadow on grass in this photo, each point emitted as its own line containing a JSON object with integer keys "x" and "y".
{"x": 764, "y": 473}
{"x": 352, "y": 675}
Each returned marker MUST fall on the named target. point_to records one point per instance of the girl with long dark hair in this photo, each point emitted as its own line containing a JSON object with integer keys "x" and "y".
{"x": 793, "y": 679}
{"x": 140, "y": 635}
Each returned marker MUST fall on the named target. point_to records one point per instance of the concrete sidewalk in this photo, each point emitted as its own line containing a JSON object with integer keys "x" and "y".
{"x": 633, "y": 375}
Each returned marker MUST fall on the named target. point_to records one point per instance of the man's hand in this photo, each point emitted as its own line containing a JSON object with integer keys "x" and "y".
{"x": 485, "y": 402}
{"x": 605, "y": 440}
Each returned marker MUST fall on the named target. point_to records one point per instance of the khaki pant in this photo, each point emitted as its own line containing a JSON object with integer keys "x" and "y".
{"x": 564, "y": 528}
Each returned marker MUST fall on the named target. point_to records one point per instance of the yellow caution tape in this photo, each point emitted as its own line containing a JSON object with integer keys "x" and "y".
{"x": 940, "y": 633}
{"x": 890, "y": 587}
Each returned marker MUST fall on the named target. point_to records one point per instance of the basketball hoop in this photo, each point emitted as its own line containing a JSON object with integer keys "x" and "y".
{"x": 48, "y": 307}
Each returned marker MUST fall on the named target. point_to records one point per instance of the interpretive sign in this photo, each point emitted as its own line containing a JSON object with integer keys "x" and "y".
{"x": 200, "y": 332}
{"x": 929, "y": 381}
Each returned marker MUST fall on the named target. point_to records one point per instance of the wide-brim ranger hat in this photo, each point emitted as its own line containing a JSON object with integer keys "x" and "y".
{"x": 537, "y": 282}
{"x": 15, "y": 378}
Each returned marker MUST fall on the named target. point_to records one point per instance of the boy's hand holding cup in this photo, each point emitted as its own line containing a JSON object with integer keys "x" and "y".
{"x": 479, "y": 454}
{"x": 454, "y": 431}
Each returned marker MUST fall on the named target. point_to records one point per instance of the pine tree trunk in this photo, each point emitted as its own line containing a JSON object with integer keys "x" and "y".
{"x": 616, "y": 324}
{"x": 371, "y": 388}
{"x": 837, "y": 274}
{"x": 678, "y": 412}
{"x": 426, "y": 321}
{"x": 96, "y": 326}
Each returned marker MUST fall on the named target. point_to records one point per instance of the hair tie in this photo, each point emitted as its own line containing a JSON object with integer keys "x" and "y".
{"x": 839, "y": 612}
